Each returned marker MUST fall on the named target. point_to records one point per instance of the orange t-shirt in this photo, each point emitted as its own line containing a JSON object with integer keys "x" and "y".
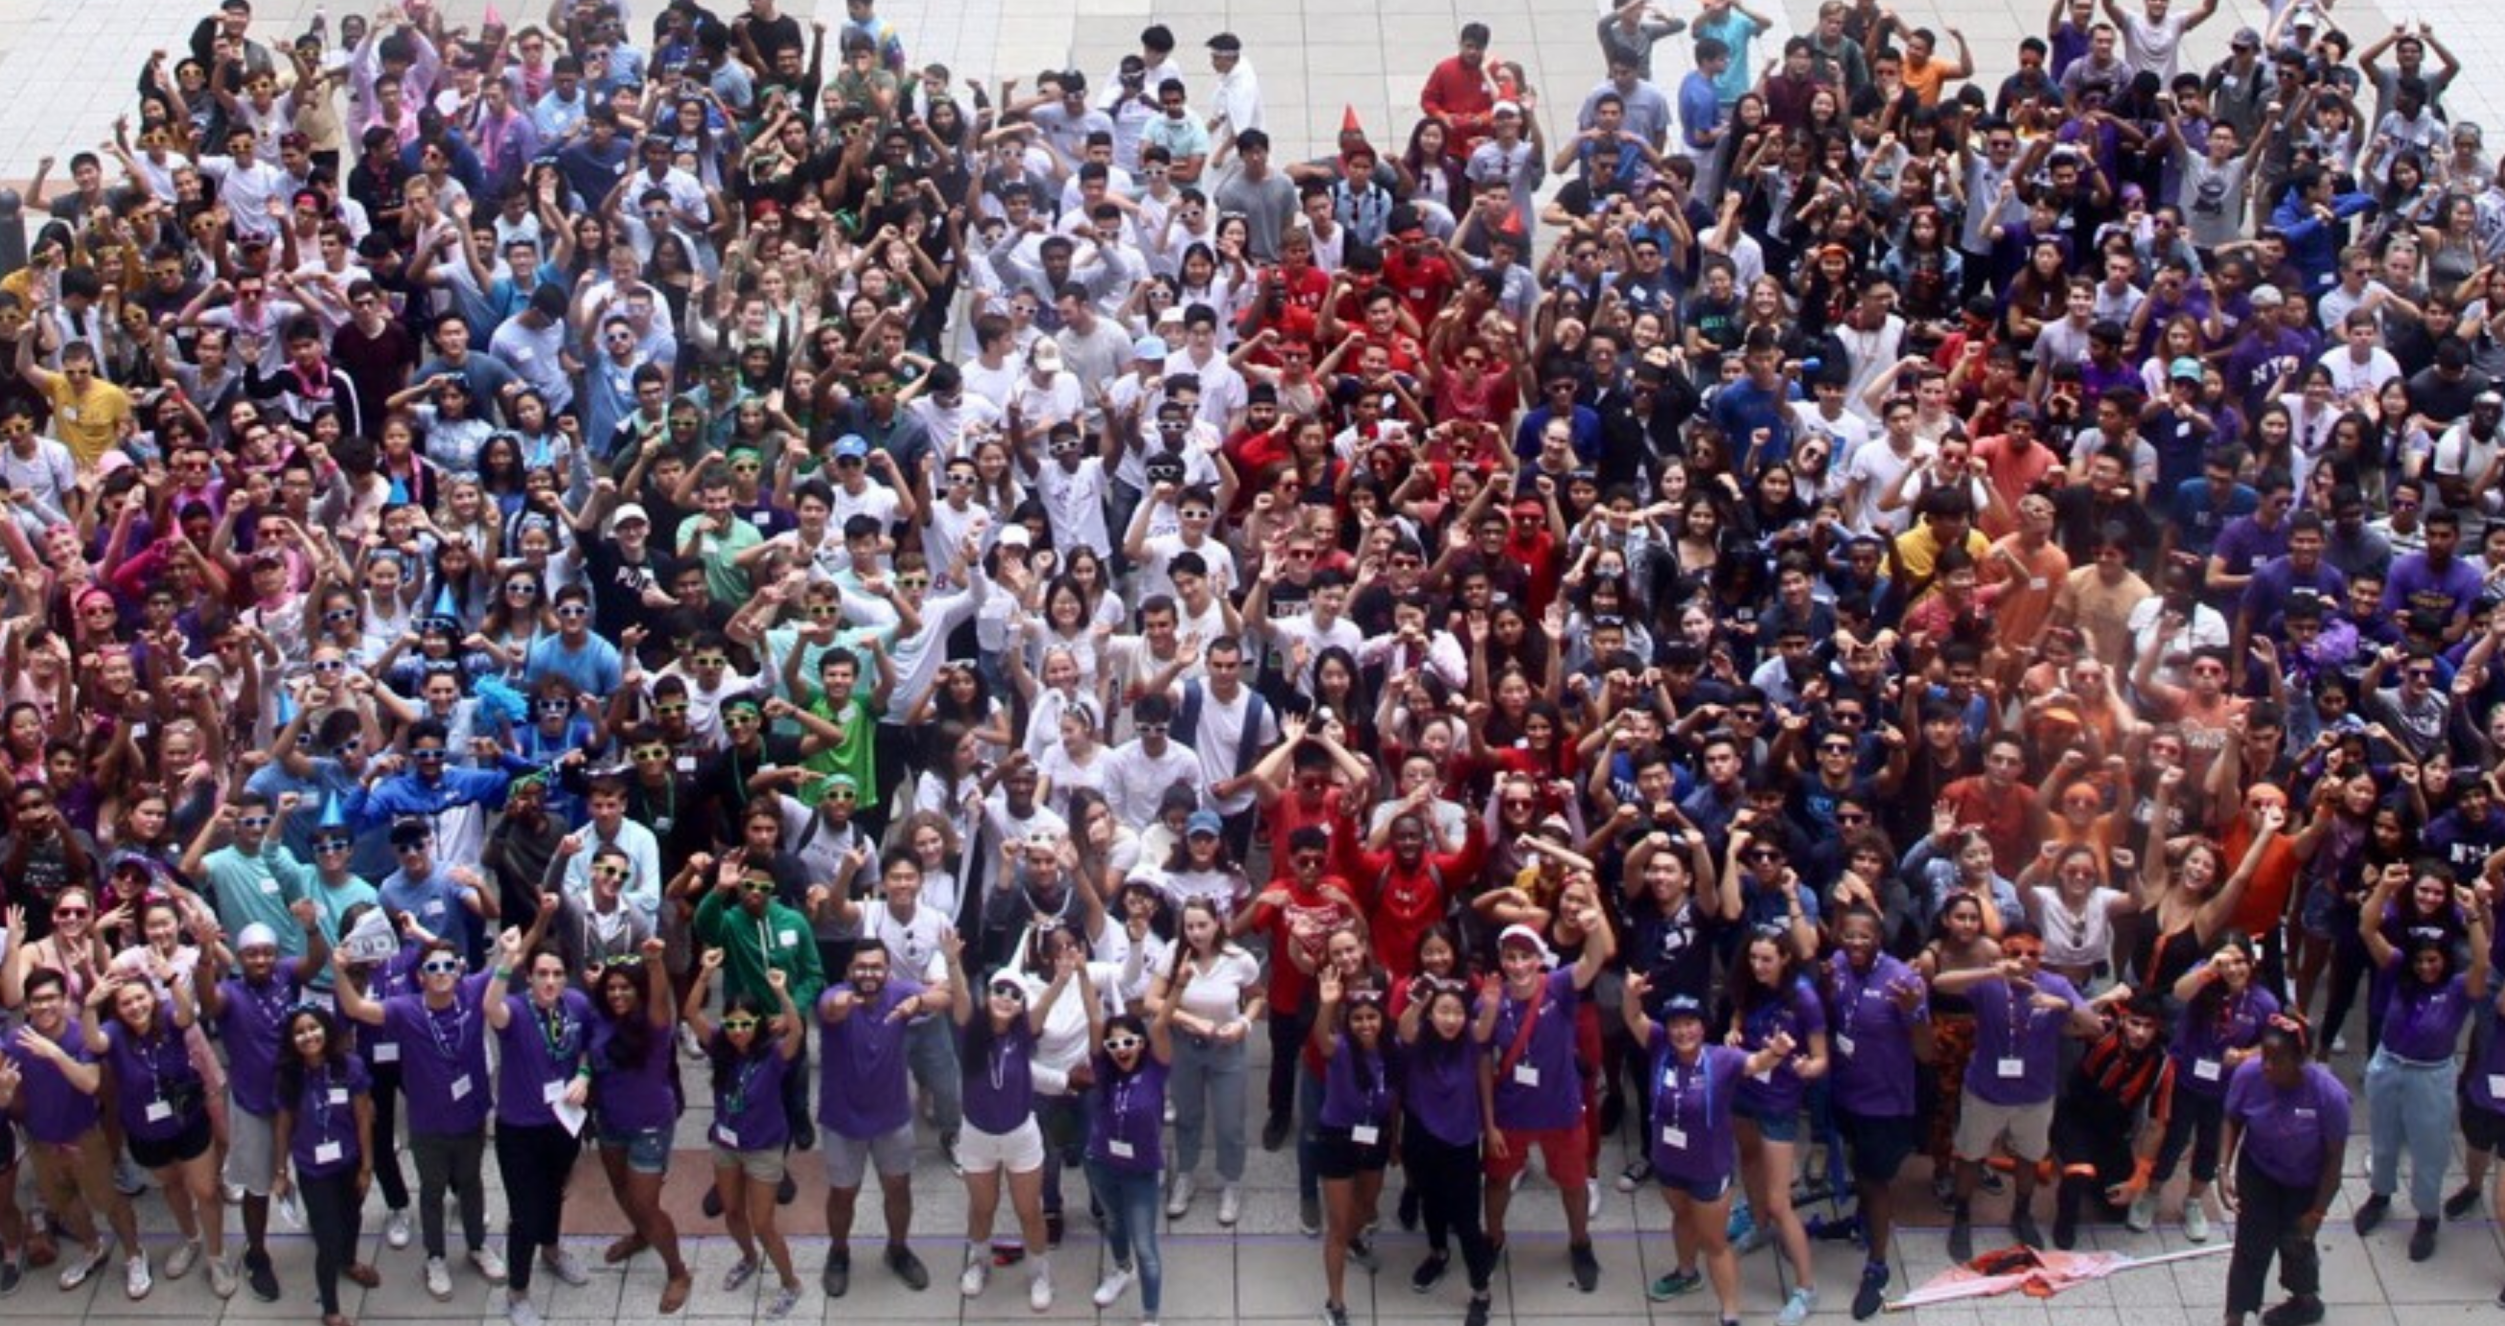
{"x": 2265, "y": 899}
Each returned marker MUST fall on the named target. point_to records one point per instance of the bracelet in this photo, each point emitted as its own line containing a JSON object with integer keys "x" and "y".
{"x": 504, "y": 973}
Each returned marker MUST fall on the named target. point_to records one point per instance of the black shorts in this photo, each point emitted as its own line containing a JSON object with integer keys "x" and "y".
{"x": 1878, "y": 1144}
{"x": 2483, "y": 1129}
{"x": 1336, "y": 1154}
{"x": 189, "y": 1144}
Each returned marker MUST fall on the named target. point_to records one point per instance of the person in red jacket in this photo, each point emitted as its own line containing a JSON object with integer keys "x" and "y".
{"x": 1300, "y": 910}
{"x": 1461, "y": 94}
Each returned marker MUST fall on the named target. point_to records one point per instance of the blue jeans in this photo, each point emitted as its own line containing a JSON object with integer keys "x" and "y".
{"x": 2410, "y": 1104}
{"x": 1308, "y": 1134}
{"x": 1129, "y": 1197}
{"x": 931, "y": 1054}
{"x": 1208, "y": 1081}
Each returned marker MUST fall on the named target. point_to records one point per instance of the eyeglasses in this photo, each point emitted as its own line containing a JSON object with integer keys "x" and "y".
{"x": 913, "y": 582}
{"x": 1835, "y": 748}
{"x": 1148, "y": 729}
{"x": 1851, "y": 817}
{"x": 823, "y": 611}
{"x": 740, "y": 718}
{"x": 2022, "y": 949}
{"x": 843, "y": 794}
{"x": 330, "y": 665}
{"x": 1009, "y": 990}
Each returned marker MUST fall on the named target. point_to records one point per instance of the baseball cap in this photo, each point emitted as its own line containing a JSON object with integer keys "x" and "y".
{"x": 851, "y": 446}
{"x": 2268, "y": 296}
{"x": 625, "y": 513}
{"x": 1203, "y": 821}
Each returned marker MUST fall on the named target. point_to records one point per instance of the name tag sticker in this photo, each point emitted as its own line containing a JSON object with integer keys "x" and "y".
{"x": 1844, "y": 1046}
{"x": 1365, "y": 1134}
{"x": 727, "y": 1136}
{"x": 787, "y": 938}
{"x": 685, "y": 763}
{"x": 270, "y": 887}
{"x": 326, "y": 1153}
{"x": 387, "y": 1053}
{"x": 339, "y": 1095}
{"x": 2011, "y": 1068}
{"x": 1526, "y": 1075}
{"x": 461, "y": 1087}
{"x": 2205, "y": 1070}
{"x": 1119, "y": 1149}
{"x": 159, "y": 1111}
{"x": 1674, "y": 1138}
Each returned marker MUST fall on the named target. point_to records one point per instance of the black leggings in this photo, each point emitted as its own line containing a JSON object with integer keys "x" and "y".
{"x": 1288, "y": 1034}
{"x": 1446, "y": 1178}
{"x": 535, "y": 1163}
{"x": 2265, "y": 1226}
{"x": 386, "y": 1095}
{"x": 2350, "y": 964}
{"x": 2193, "y": 1125}
{"x": 335, "y": 1217}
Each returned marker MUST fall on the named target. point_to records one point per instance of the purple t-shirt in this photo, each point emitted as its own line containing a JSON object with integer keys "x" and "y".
{"x": 2424, "y": 1024}
{"x": 998, "y": 1076}
{"x": 632, "y": 1093}
{"x": 54, "y": 1111}
{"x": 1440, "y": 1089}
{"x": 2286, "y": 1132}
{"x": 1540, "y": 1090}
{"x": 862, "y": 1092}
{"x": 1870, "y": 1037}
{"x": 1692, "y": 1139}
{"x": 1126, "y": 1115}
{"x": 443, "y": 1066}
{"x": 2487, "y": 1078}
{"x": 1798, "y": 1012}
{"x": 1358, "y": 1088}
{"x": 249, "y": 1024}
{"x": 150, "y": 1073}
{"x": 323, "y": 1140}
{"x": 2206, "y": 1031}
{"x": 2017, "y": 1046}
{"x": 542, "y": 1050}
{"x": 748, "y": 1107}
{"x": 398, "y": 976}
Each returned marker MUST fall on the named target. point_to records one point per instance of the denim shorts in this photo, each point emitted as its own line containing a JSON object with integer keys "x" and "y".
{"x": 1773, "y": 1125}
{"x": 647, "y": 1149}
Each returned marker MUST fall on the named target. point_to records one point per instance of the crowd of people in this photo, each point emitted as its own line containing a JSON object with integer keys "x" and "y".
{"x": 1771, "y": 627}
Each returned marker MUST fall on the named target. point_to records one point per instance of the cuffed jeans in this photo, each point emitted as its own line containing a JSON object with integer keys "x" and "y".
{"x": 1130, "y": 1201}
{"x": 2410, "y": 1104}
{"x": 1207, "y": 1088}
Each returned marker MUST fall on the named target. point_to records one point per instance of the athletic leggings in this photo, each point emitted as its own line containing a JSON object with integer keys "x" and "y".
{"x": 1446, "y": 1178}
{"x": 535, "y": 1162}
{"x": 386, "y": 1096}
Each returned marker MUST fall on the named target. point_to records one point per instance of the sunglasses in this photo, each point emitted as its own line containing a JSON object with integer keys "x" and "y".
{"x": 674, "y": 707}
{"x": 70, "y": 913}
{"x": 1009, "y": 990}
{"x": 330, "y": 844}
{"x": 913, "y": 582}
{"x": 739, "y": 1024}
{"x": 430, "y": 755}
{"x": 608, "y": 872}
{"x": 1121, "y": 1044}
{"x": 712, "y": 661}
{"x": 440, "y": 966}
{"x": 652, "y": 752}
{"x": 757, "y": 886}
{"x": 417, "y": 848}
{"x": 573, "y": 612}
{"x": 521, "y": 587}
{"x": 254, "y": 822}
{"x": 339, "y": 616}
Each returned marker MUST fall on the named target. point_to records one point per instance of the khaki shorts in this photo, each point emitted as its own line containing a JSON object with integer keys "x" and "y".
{"x": 251, "y": 1149}
{"x": 848, "y": 1159}
{"x": 1982, "y": 1125}
{"x": 77, "y": 1175}
{"x": 759, "y": 1166}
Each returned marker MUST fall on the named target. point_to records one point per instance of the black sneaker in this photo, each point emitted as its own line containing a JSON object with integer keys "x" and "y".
{"x": 2370, "y": 1213}
{"x": 1872, "y": 1295}
{"x": 1476, "y": 1314}
{"x": 908, "y": 1267}
{"x": 1274, "y": 1132}
{"x": 2422, "y": 1239}
{"x": 2300, "y": 1311}
{"x": 1334, "y": 1314}
{"x": 261, "y": 1277}
{"x": 2022, "y": 1228}
{"x": 2461, "y": 1203}
{"x": 12, "y": 1274}
{"x": 1430, "y": 1271}
{"x": 1409, "y": 1204}
{"x": 836, "y": 1279}
{"x": 1586, "y": 1267}
{"x": 1961, "y": 1240}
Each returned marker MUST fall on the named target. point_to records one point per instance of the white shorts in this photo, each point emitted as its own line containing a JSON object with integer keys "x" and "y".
{"x": 1019, "y": 1151}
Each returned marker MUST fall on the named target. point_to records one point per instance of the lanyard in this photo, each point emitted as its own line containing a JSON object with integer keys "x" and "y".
{"x": 1677, "y": 1085}
{"x": 319, "y": 1090}
{"x": 556, "y": 1033}
{"x": 735, "y": 1103}
{"x": 449, "y": 1046}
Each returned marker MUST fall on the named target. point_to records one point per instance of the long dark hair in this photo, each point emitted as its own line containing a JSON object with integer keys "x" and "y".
{"x": 291, "y": 1067}
{"x": 726, "y": 1060}
{"x": 630, "y": 1035}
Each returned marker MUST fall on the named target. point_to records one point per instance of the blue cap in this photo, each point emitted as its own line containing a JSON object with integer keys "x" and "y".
{"x": 1682, "y": 1006}
{"x": 853, "y": 445}
{"x": 1204, "y": 821}
{"x": 1149, "y": 347}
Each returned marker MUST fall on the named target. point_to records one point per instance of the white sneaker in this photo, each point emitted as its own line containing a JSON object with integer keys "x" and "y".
{"x": 1109, "y": 1290}
{"x": 2196, "y": 1220}
{"x": 567, "y": 1267}
{"x": 185, "y": 1257}
{"x": 1230, "y": 1204}
{"x": 977, "y": 1274}
{"x": 136, "y": 1282}
{"x": 490, "y": 1264}
{"x": 82, "y": 1264}
{"x": 2142, "y": 1217}
{"x": 1179, "y": 1201}
{"x": 688, "y": 1048}
{"x": 519, "y": 1312}
{"x": 438, "y": 1280}
{"x": 1039, "y": 1287}
{"x": 222, "y": 1277}
{"x": 396, "y": 1229}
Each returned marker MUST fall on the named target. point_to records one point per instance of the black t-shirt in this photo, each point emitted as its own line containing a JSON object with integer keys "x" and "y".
{"x": 618, "y": 585}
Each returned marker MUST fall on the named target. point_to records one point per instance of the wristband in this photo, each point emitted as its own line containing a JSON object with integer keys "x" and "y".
{"x": 504, "y": 973}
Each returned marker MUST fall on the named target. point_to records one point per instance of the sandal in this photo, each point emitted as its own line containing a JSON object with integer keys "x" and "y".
{"x": 674, "y": 1294}
{"x": 363, "y": 1274}
{"x": 623, "y": 1249}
